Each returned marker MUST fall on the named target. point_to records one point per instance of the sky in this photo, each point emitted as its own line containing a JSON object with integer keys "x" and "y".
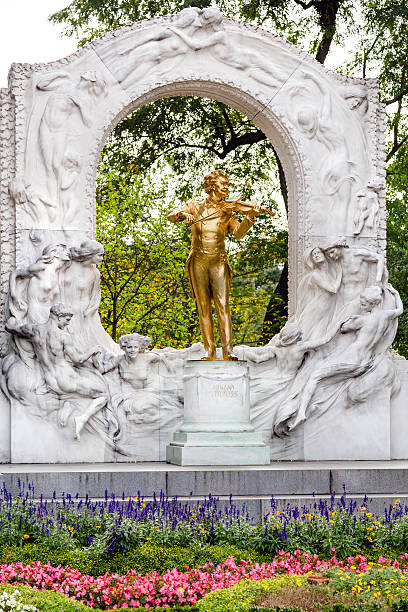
{"x": 26, "y": 35}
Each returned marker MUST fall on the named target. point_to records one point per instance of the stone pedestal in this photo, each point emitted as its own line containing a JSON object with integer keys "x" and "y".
{"x": 216, "y": 429}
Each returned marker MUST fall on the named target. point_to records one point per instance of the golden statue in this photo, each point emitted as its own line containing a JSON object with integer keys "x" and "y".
{"x": 207, "y": 265}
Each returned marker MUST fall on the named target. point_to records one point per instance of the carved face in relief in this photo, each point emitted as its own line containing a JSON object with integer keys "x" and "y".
{"x": 63, "y": 320}
{"x": 63, "y": 252}
{"x": 334, "y": 253}
{"x": 97, "y": 258}
{"x": 133, "y": 344}
{"x": 211, "y": 16}
{"x": 369, "y": 298}
{"x": 188, "y": 17}
{"x": 132, "y": 349}
{"x": 365, "y": 305}
{"x": 317, "y": 256}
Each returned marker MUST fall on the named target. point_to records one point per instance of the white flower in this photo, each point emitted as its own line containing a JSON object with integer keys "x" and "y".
{"x": 10, "y": 602}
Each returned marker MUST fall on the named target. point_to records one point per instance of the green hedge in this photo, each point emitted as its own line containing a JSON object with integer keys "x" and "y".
{"x": 241, "y": 596}
{"x": 47, "y": 601}
{"x": 148, "y": 558}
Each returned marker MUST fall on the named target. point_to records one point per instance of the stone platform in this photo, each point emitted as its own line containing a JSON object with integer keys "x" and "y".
{"x": 293, "y": 482}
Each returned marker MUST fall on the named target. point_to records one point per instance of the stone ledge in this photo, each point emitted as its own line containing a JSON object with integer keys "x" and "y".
{"x": 288, "y": 480}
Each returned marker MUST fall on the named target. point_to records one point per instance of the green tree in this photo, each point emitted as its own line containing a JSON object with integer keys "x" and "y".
{"x": 143, "y": 283}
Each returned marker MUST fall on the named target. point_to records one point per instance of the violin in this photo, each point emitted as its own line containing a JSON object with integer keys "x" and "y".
{"x": 237, "y": 205}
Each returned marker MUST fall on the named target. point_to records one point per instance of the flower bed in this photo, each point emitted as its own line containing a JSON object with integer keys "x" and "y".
{"x": 132, "y": 590}
{"x": 121, "y": 525}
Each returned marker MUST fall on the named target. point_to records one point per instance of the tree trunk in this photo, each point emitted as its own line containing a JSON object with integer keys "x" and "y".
{"x": 277, "y": 309}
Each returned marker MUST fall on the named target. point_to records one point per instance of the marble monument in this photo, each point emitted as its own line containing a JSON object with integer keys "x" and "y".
{"x": 328, "y": 386}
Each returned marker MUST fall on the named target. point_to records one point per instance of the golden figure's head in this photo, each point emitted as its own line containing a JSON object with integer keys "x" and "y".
{"x": 216, "y": 184}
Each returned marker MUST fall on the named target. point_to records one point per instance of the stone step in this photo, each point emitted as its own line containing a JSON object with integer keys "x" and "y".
{"x": 289, "y": 482}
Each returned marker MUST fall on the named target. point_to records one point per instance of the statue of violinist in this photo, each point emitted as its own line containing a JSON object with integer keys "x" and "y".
{"x": 207, "y": 264}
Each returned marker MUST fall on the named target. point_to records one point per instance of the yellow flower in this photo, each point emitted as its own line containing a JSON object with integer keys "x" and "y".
{"x": 97, "y": 526}
{"x": 363, "y": 508}
{"x": 368, "y": 514}
{"x": 71, "y": 528}
{"x": 26, "y": 536}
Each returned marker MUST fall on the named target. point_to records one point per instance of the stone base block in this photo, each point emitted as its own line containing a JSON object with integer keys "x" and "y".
{"x": 230, "y": 450}
{"x": 350, "y": 432}
{"x": 216, "y": 429}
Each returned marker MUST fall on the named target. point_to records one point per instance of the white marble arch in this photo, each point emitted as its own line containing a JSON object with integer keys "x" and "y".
{"x": 327, "y": 129}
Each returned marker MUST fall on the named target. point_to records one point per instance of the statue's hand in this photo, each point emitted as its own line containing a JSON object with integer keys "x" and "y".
{"x": 254, "y": 211}
{"x": 188, "y": 217}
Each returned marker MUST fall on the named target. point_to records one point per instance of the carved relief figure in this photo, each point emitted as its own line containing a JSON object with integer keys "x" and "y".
{"x": 288, "y": 352}
{"x": 356, "y": 99}
{"x": 81, "y": 291}
{"x": 70, "y": 170}
{"x": 34, "y": 289}
{"x": 67, "y": 100}
{"x": 195, "y": 30}
{"x": 213, "y": 36}
{"x": 287, "y": 349}
{"x": 314, "y": 117}
{"x": 65, "y": 370}
{"x": 139, "y": 60}
{"x": 317, "y": 293}
{"x": 39, "y": 209}
{"x": 369, "y": 328}
{"x": 139, "y": 401}
{"x": 366, "y": 213}
{"x": 338, "y": 176}
{"x": 207, "y": 265}
{"x": 355, "y": 273}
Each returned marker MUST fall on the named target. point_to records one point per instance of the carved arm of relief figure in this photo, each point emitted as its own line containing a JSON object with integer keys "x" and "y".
{"x": 78, "y": 357}
{"x": 213, "y": 39}
{"x": 260, "y": 354}
{"x": 17, "y": 298}
{"x": 94, "y": 296}
{"x": 373, "y": 257}
{"x": 324, "y": 281}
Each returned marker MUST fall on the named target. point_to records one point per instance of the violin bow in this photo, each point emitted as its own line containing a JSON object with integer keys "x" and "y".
{"x": 216, "y": 212}
{"x": 210, "y": 216}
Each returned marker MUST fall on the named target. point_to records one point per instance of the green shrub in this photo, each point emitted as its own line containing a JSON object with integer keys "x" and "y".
{"x": 276, "y": 609}
{"x": 165, "y": 609}
{"x": 400, "y": 606}
{"x": 241, "y": 596}
{"x": 145, "y": 559}
{"x": 44, "y": 601}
